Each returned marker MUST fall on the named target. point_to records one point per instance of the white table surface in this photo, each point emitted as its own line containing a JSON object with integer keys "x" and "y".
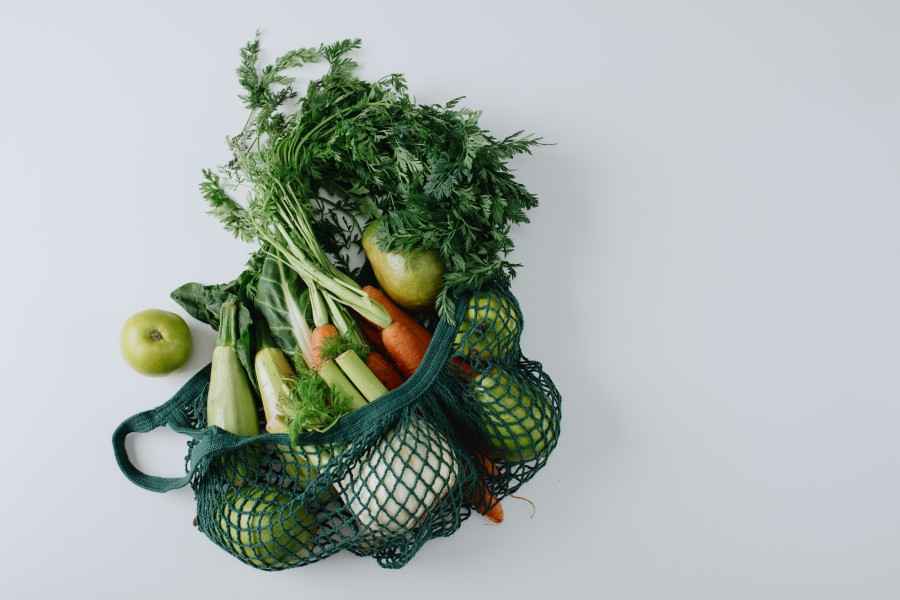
{"x": 711, "y": 279}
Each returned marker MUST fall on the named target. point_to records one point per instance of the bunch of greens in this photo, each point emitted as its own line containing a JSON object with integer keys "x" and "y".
{"x": 352, "y": 150}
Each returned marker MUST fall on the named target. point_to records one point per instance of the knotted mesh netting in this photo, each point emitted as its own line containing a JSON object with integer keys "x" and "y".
{"x": 474, "y": 423}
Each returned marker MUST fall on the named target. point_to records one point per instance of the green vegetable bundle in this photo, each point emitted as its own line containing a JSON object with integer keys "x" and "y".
{"x": 355, "y": 148}
{"x": 298, "y": 451}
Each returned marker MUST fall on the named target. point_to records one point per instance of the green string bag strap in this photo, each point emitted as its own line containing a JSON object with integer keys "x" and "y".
{"x": 172, "y": 414}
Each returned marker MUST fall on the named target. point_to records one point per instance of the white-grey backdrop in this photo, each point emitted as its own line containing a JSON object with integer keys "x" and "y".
{"x": 712, "y": 280}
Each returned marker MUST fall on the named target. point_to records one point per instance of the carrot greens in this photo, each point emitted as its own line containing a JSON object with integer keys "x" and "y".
{"x": 351, "y": 150}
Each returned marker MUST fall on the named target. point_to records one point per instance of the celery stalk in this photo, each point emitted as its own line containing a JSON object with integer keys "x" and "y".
{"x": 334, "y": 377}
{"x": 360, "y": 374}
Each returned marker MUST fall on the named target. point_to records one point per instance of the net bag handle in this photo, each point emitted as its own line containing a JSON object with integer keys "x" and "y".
{"x": 148, "y": 420}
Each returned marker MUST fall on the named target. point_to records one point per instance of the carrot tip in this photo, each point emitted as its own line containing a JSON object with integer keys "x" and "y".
{"x": 495, "y": 514}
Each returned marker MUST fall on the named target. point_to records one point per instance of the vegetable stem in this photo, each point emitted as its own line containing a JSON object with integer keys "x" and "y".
{"x": 319, "y": 310}
{"x": 272, "y": 372}
{"x": 358, "y": 301}
{"x": 299, "y": 326}
{"x": 335, "y": 378}
{"x": 360, "y": 374}
{"x": 227, "y": 324}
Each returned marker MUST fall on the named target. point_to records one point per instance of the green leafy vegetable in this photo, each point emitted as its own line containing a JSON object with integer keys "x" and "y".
{"x": 270, "y": 300}
{"x": 204, "y": 303}
{"x": 353, "y": 150}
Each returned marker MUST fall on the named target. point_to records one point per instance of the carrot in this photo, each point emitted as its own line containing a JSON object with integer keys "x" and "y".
{"x": 372, "y": 333}
{"x": 404, "y": 340}
{"x": 397, "y": 314}
{"x": 495, "y": 513}
{"x": 403, "y": 346}
{"x": 463, "y": 368}
{"x": 489, "y": 505}
{"x": 384, "y": 371}
{"x": 317, "y": 339}
{"x": 383, "y": 368}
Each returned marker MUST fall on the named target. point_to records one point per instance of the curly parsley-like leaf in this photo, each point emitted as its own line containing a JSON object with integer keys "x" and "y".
{"x": 355, "y": 150}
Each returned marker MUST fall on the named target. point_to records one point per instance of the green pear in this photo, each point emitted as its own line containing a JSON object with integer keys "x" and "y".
{"x": 412, "y": 279}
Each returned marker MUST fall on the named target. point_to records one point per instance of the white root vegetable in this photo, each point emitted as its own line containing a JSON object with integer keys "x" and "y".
{"x": 393, "y": 486}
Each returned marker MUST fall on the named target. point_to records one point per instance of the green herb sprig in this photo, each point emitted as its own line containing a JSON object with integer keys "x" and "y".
{"x": 312, "y": 405}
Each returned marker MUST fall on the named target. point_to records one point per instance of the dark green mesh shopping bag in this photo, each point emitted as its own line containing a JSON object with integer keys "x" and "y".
{"x": 476, "y": 417}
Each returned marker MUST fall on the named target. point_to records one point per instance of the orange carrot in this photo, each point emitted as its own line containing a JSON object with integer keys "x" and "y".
{"x": 372, "y": 333}
{"x": 489, "y": 505}
{"x": 495, "y": 513}
{"x": 384, "y": 371}
{"x": 404, "y": 347}
{"x": 317, "y": 339}
{"x": 463, "y": 368}
{"x": 397, "y": 314}
{"x": 383, "y": 368}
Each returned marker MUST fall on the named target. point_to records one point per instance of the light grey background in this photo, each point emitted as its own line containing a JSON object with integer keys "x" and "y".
{"x": 712, "y": 280}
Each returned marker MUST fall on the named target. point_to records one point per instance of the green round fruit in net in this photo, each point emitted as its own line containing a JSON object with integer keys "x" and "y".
{"x": 301, "y": 463}
{"x": 265, "y": 528}
{"x": 516, "y": 417}
{"x": 490, "y": 328}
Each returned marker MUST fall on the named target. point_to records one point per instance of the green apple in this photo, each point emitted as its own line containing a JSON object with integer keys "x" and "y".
{"x": 490, "y": 329}
{"x": 516, "y": 416}
{"x": 156, "y": 342}
{"x": 266, "y": 528}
